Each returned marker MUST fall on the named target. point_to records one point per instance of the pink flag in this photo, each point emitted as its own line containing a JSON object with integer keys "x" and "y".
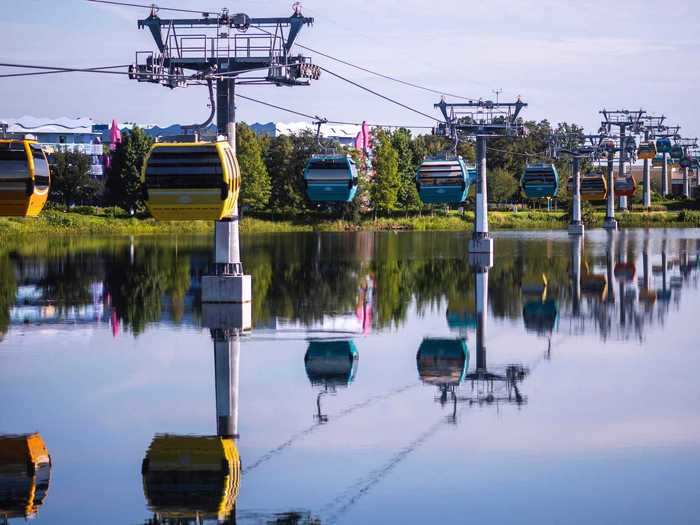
{"x": 115, "y": 136}
{"x": 359, "y": 142}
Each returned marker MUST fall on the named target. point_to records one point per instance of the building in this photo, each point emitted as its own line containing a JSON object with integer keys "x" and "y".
{"x": 343, "y": 134}
{"x": 62, "y": 134}
{"x": 675, "y": 177}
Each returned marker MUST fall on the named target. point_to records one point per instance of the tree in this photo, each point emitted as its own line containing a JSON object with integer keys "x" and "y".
{"x": 408, "y": 198}
{"x": 386, "y": 185}
{"x": 71, "y": 182}
{"x": 255, "y": 185}
{"x": 501, "y": 185}
{"x": 278, "y": 158}
{"x": 124, "y": 183}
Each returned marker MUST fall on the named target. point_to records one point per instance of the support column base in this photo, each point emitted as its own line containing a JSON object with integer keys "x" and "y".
{"x": 610, "y": 224}
{"x": 226, "y": 289}
{"x": 576, "y": 229}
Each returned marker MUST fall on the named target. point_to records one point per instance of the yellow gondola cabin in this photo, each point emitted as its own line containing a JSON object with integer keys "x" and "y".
{"x": 24, "y": 178}
{"x": 191, "y": 180}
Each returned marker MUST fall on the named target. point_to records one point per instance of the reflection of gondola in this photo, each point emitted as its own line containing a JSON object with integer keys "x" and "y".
{"x": 625, "y": 272}
{"x": 595, "y": 285}
{"x": 331, "y": 363}
{"x": 535, "y": 285}
{"x": 541, "y": 316}
{"x": 191, "y": 478}
{"x": 442, "y": 361}
{"x": 25, "y": 471}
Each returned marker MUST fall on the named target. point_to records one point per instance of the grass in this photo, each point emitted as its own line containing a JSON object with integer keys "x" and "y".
{"x": 107, "y": 222}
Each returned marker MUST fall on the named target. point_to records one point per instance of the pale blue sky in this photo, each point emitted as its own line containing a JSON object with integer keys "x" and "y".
{"x": 567, "y": 59}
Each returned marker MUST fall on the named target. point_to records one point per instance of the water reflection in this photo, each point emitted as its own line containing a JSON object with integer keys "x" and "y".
{"x": 318, "y": 299}
{"x": 25, "y": 473}
{"x": 357, "y": 282}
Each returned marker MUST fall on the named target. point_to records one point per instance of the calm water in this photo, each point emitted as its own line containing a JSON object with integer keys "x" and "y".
{"x": 379, "y": 384}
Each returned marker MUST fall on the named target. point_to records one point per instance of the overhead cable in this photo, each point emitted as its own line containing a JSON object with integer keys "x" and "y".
{"x": 46, "y": 70}
{"x": 382, "y": 75}
{"x": 327, "y": 121}
{"x": 389, "y": 99}
{"x": 154, "y": 6}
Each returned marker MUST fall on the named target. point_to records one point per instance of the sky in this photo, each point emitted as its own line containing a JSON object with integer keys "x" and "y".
{"x": 567, "y": 60}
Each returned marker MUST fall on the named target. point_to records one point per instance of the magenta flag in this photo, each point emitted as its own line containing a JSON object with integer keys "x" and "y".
{"x": 359, "y": 142}
{"x": 115, "y": 136}
{"x": 363, "y": 140}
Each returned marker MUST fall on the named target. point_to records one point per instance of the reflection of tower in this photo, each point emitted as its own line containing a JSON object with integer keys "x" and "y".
{"x": 647, "y": 294}
{"x": 483, "y": 380}
{"x": 188, "y": 480}
{"x": 576, "y": 243}
{"x": 624, "y": 272}
{"x": 227, "y": 351}
{"x": 25, "y": 472}
{"x": 330, "y": 364}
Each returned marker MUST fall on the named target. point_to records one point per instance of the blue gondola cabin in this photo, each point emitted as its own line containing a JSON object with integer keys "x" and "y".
{"x": 444, "y": 181}
{"x": 540, "y": 181}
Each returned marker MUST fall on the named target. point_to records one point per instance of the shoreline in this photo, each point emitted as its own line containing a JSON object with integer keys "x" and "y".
{"x": 55, "y": 222}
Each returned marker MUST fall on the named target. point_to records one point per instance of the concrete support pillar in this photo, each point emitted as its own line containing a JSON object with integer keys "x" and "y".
{"x": 481, "y": 242}
{"x": 576, "y": 226}
{"x": 621, "y": 164}
{"x": 647, "y": 178}
{"x": 610, "y": 222}
{"x": 686, "y": 183}
{"x": 227, "y": 283}
{"x": 664, "y": 176}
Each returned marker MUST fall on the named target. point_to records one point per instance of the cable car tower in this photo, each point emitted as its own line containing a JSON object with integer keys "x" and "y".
{"x": 665, "y": 136}
{"x": 687, "y": 144}
{"x": 481, "y": 120}
{"x": 625, "y": 120}
{"x": 219, "y": 47}
{"x": 579, "y": 147}
{"x": 650, "y": 125}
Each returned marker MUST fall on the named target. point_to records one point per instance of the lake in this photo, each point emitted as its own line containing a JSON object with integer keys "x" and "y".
{"x": 384, "y": 380}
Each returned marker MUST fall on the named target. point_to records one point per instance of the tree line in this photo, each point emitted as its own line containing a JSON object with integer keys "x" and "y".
{"x": 272, "y": 170}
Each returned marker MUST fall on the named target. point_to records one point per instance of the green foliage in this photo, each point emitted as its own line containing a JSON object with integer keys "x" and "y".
{"x": 255, "y": 185}
{"x": 124, "y": 182}
{"x": 387, "y": 181}
{"x": 285, "y": 158}
{"x": 587, "y": 214}
{"x": 8, "y": 291}
{"x": 71, "y": 182}
{"x": 408, "y": 198}
{"x": 502, "y": 186}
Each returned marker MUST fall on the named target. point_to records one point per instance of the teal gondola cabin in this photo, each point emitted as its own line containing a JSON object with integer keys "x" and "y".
{"x": 330, "y": 178}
